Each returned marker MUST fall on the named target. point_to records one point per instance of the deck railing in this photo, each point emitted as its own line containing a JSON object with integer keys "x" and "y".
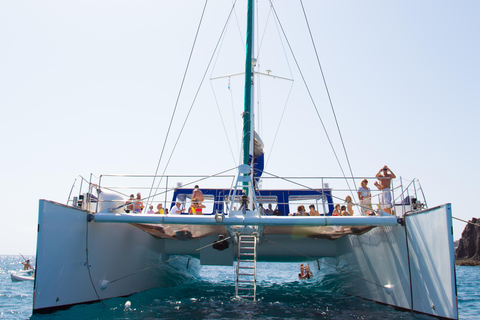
{"x": 407, "y": 195}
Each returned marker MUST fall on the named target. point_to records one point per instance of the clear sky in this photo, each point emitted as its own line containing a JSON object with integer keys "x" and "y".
{"x": 90, "y": 87}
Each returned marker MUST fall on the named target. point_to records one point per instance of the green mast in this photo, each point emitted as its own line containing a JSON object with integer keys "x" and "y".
{"x": 247, "y": 116}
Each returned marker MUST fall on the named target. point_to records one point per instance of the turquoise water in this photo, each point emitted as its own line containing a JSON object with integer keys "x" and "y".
{"x": 281, "y": 296}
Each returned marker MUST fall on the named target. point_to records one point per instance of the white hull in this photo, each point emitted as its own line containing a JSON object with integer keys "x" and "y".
{"x": 21, "y": 277}
{"x": 64, "y": 277}
{"x": 416, "y": 262}
{"x": 419, "y": 273}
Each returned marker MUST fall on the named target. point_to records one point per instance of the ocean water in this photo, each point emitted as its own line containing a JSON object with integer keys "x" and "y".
{"x": 280, "y": 296}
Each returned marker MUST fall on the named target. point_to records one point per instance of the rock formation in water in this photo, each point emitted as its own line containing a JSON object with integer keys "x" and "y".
{"x": 468, "y": 250}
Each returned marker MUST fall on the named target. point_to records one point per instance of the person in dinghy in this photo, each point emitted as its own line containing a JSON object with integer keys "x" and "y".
{"x": 27, "y": 265}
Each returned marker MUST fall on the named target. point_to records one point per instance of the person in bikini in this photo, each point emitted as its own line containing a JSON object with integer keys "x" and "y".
{"x": 197, "y": 199}
{"x": 196, "y": 207}
{"x": 129, "y": 204}
{"x": 139, "y": 204}
{"x": 337, "y": 211}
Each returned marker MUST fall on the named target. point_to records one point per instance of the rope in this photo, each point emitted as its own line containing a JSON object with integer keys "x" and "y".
{"x": 159, "y": 264}
{"x": 469, "y": 222}
{"x": 223, "y": 124}
{"x": 312, "y": 100}
{"x": 194, "y": 99}
{"x": 328, "y": 93}
{"x": 178, "y": 96}
{"x": 278, "y": 127}
{"x": 88, "y": 268}
{"x": 318, "y": 261}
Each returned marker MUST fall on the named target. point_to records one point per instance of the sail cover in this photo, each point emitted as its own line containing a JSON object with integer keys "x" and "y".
{"x": 258, "y": 157}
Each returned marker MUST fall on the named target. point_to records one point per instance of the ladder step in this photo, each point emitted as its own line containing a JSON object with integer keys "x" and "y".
{"x": 246, "y": 262}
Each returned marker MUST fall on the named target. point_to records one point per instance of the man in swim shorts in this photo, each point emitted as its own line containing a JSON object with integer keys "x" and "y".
{"x": 385, "y": 176}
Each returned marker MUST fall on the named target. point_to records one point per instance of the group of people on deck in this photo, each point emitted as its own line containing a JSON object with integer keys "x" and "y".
{"x": 135, "y": 205}
{"x": 385, "y": 176}
{"x": 301, "y": 211}
{"x": 196, "y": 207}
{"x": 345, "y": 210}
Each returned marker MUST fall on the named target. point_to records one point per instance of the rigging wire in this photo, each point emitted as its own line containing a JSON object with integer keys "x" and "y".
{"x": 279, "y": 123}
{"x": 178, "y": 95}
{"x": 468, "y": 222}
{"x": 231, "y": 98}
{"x": 238, "y": 26}
{"x": 328, "y": 92}
{"x": 311, "y": 97}
{"x": 195, "y": 97}
{"x": 291, "y": 76}
{"x": 183, "y": 185}
{"x": 87, "y": 264}
{"x": 259, "y": 112}
{"x": 223, "y": 123}
{"x": 169, "y": 260}
{"x": 233, "y": 115}
{"x": 144, "y": 269}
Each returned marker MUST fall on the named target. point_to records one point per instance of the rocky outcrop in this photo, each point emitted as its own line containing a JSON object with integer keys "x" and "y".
{"x": 468, "y": 250}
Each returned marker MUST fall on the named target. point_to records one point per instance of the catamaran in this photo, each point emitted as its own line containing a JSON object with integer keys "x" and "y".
{"x": 91, "y": 248}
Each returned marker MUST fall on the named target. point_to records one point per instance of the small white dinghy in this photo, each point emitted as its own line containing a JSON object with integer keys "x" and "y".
{"x": 23, "y": 275}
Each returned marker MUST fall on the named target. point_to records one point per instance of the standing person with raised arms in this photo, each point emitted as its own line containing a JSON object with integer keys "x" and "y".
{"x": 386, "y": 175}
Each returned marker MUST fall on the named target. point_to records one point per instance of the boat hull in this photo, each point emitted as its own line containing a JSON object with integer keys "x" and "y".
{"x": 80, "y": 261}
{"x": 410, "y": 266}
{"x": 18, "y": 277}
